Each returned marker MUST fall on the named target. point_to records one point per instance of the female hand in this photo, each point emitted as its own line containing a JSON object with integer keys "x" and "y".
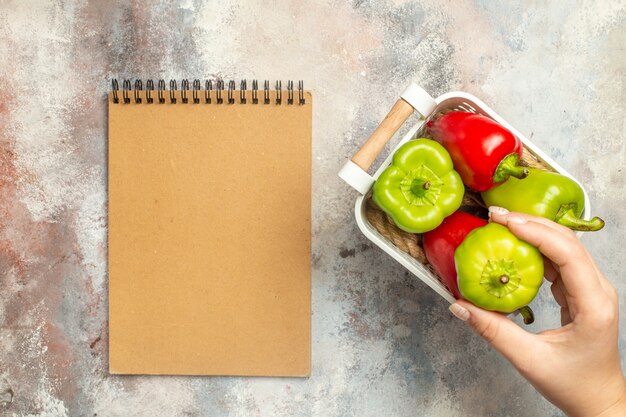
{"x": 577, "y": 366}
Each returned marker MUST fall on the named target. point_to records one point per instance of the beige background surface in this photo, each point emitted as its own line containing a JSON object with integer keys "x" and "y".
{"x": 383, "y": 343}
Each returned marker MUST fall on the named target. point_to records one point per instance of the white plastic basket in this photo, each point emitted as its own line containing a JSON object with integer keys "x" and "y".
{"x": 356, "y": 175}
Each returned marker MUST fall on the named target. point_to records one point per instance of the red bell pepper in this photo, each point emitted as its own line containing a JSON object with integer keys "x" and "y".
{"x": 441, "y": 243}
{"x": 483, "y": 151}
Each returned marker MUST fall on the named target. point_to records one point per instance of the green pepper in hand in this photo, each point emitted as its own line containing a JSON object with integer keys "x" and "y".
{"x": 420, "y": 188}
{"x": 545, "y": 194}
{"x": 497, "y": 271}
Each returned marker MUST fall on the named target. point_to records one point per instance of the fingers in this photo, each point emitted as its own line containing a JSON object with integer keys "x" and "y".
{"x": 549, "y": 270}
{"x": 558, "y": 295}
{"x": 566, "y": 317}
{"x": 604, "y": 283}
{"x": 498, "y": 215}
{"x": 578, "y": 272}
{"x": 505, "y": 336}
{"x": 609, "y": 289}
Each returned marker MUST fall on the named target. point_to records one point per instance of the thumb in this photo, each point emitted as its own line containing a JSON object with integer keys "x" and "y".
{"x": 513, "y": 342}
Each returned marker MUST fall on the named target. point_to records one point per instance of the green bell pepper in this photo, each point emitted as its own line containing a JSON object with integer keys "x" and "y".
{"x": 545, "y": 194}
{"x": 497, "y": 271}
{"x": 420, "y": 188}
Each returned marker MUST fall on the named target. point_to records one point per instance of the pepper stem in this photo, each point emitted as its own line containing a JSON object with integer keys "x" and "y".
{"x": 527, "y": 314}
{"x": 421, "y": 186}
{"x": 500, "y": 277}
{"x": 509, "y": 167}
{"x": 567, "y": 217}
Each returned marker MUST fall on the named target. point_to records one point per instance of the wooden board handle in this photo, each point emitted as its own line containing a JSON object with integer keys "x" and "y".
{"x": 396, "y": 117}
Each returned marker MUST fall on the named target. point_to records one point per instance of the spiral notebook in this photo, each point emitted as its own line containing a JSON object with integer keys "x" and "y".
{"x": 209, "y": 228}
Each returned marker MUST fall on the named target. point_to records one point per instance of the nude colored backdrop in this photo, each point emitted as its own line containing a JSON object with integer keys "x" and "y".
{"x": 383, "y": 343}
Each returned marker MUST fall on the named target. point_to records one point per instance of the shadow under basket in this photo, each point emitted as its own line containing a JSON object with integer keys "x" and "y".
{"x": 406, "y": 248}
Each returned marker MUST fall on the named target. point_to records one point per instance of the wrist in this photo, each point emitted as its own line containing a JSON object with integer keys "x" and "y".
{"x": 618, "y": 407}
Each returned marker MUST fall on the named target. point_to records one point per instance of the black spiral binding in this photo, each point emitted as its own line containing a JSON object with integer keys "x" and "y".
{"x": 183, "y": 91}
{"x": 218, "y": 91}
{"x": 255, "y": 92}
{"x": 208, "y": 86}
{"x": 116, "y": 88}
{"x": 146, "y": 96}
{"x": 138, "y": 88}
{"x": 279, "y": 92}
{"x": 149, "y": 89}
{"x": 173, "y": 89}
{"x": 231, "y": 89}
{"x": 243, "y": 86}
{"x": 161, "y": 90}
{"x": 125, "y": 91}
{"x": 266, "y": 92}
{"x": 196, "y": 88}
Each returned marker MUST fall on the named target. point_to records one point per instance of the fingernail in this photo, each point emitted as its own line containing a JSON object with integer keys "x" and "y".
{"x": 516, "y": 220}
{"x": 498, "y": 210}
{"x": 460, "y": 312}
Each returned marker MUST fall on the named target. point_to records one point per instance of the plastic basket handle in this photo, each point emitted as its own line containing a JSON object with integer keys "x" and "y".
{"x": 414, "y": 98}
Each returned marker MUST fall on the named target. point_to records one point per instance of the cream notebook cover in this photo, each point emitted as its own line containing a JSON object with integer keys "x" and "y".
{"x": 209, "y": 231}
